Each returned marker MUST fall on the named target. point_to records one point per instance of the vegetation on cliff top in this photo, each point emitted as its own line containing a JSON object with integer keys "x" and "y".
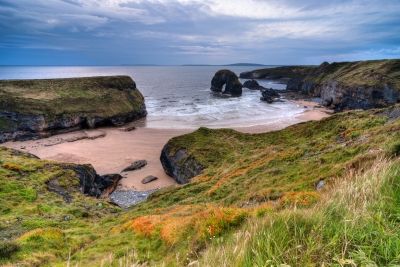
{"x": 94, "y": 95}
{"x": 359, "y": 73}
{"x": 257, "y": 186}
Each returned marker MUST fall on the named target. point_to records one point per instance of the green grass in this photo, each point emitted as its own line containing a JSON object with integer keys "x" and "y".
{"x": 368, "y": 73}
{"x": 355, "y": 224}
{"x": 37, "y": 226}
{"x": 254, "y": 186}
{"x": 95, "y": 96}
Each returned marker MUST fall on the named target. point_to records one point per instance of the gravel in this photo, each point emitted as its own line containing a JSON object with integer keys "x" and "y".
{"x": 128, "y": 198}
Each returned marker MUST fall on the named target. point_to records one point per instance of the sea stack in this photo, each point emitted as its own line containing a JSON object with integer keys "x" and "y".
{"x": 228, "y": 79}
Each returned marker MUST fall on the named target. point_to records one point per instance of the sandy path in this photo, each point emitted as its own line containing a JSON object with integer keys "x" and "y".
{"x": 114, "y": 149}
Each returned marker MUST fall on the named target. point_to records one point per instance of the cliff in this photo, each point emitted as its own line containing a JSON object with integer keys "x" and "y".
{"x": 353, "y": 85}
{"x": 343, "y": 85}
{"x": 38, "y": 108}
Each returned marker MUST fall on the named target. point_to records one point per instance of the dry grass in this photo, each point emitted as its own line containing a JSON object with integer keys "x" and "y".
{"x": 329, "y": 233}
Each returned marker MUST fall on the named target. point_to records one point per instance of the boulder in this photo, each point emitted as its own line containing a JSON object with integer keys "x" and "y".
{"x": 149, "y": 179}
{"x": 269, "y": 95}
{"x": 252, "y": 84}
{"x": 90, "y": 183}
{"x": 135, "y": 165}
{"x": 228, "y": 79}
{"x": 179, "y": 164}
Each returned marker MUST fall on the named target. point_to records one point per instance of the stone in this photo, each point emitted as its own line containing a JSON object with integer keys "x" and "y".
{"x": 179, "y": 165}
{"x": 135, "y": 166}
{"x": 320, "y": 185}
{"x": 252, "y": 85}
{"x": 269, "y": 95}
{"x": 129, "y": 198}
{"x": 149, "y": 179}
{"x": 90, "y": 183}
{"x": 228, "y": 79}
{"x": 127, "y": 128}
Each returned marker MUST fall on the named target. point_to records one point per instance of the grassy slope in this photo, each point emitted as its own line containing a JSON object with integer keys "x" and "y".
{"x": 360, "y": 73}
{"x": 246, "y": 177}
{"x": 94, "y": 96}
{"x": 355, "y": 224}
{"x": 38, "y": 224}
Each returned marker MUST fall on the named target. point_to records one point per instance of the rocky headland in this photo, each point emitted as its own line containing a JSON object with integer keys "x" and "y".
{"x": 341, "y": 85}
{"x": 39, "y": 108}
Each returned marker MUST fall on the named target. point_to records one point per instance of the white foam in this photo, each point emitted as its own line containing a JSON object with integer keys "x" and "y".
{"x": 214, "y": 112}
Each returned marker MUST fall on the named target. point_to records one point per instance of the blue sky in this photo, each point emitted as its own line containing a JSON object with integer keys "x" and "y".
{"x": 113, "y": 32}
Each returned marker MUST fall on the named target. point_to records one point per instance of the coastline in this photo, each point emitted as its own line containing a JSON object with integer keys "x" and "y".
{"x": 110, "y": 150}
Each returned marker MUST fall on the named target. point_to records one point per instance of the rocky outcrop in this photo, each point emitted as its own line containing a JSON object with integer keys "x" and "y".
{"x": 353, "y": 85}
{"x": 269, "y": 95}
{"x": 252, "y": 85}
{"x": 179, "y": 164}
{"x": 31, "y": 109}
{"x": 90, "y": 183}
{"x": 342, "y": 85}
{"x": 228, "y": 79}
{"x": 279, "y": 73}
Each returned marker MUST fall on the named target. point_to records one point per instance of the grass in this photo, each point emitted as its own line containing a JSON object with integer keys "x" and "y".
{"x": 368, "y": 73}
{"x": 355, "y": 224}
{"x": 37, "y": 226}
{"x": 254, "y": 203}
{"x": 95, "y": 96}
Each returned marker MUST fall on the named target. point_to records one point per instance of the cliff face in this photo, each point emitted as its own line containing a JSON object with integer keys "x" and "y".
{"x": 345, "y": 85}
{"x": 353, "y": 85}
{"x": 39, "y": 108}
{"x": 179, "y": 164}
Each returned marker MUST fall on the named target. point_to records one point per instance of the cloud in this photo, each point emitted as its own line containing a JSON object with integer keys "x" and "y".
{"x": 181, "y": 31}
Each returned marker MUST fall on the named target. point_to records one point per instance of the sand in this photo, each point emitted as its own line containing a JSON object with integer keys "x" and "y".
{"x": 110, "y": 150}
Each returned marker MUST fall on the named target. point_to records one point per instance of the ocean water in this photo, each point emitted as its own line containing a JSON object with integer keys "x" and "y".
{"x": 180, "y": 96}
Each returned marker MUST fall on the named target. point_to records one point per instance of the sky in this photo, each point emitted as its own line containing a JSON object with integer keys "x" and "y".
{"x": 174, "y": 32}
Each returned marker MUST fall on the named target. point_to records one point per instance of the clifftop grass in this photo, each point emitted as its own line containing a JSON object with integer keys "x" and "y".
{"x": 247, "y": 178}
{"x": 96, "y": 96}
{"x": 368, "y": 73}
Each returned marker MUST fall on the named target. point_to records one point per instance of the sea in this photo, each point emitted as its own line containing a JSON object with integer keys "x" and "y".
{"x": 180, "y": 96}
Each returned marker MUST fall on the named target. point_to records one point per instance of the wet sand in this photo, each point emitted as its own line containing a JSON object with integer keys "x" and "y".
{"x": 110, "y": 150}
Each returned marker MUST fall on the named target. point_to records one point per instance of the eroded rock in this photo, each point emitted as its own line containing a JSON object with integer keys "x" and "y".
{"x": 269, "y": 95}
{"x": 179, "y": 164}
{"x": 228, "y": 79}
{"x": 149, "y": 179}
{"x": 252, "y": 85}
{"x": 135, "y": 166}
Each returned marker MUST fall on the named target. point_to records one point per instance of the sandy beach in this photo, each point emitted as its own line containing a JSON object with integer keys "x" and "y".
{"x": 110, "y": 150}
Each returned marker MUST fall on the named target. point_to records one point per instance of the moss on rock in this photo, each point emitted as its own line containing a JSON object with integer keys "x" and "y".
{"x": 33, "y": 108}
